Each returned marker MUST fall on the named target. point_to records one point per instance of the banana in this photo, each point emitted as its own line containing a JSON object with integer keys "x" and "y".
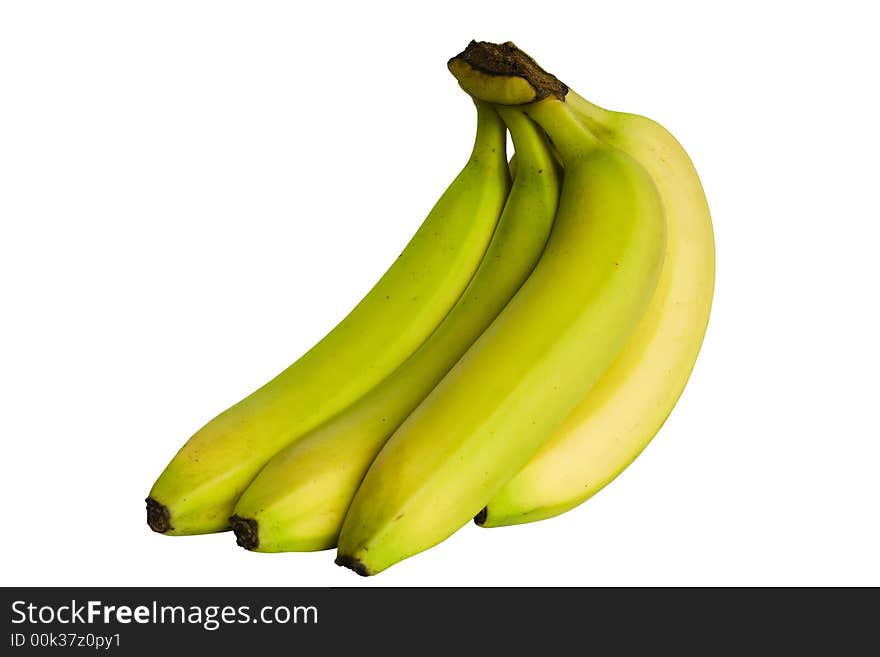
{"x": 298, "y": 500}
{"x": 629, "y": 404}
{"x": 564, "y": 327}
{"x": 197, "y": 490}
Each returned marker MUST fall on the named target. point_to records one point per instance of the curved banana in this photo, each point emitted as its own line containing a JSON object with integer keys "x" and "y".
{"x": 629, "y": 404}
{"x": 198, "y": 489}
{"x": 298, "y": 500}
{"x": 535, "y": 362}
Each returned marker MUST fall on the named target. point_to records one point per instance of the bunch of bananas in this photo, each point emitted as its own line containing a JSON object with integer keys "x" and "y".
{"x": 521, "y": 351}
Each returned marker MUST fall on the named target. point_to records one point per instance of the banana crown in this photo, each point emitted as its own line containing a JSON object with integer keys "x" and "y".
{"x": 501, "y": 73}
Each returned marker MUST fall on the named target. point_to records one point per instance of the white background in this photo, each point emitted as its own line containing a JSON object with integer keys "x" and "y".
{"x": 193, "y": 193}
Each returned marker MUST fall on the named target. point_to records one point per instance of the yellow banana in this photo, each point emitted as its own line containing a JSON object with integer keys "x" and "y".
{"x": 299, "y": 499}
{"x": 564, "y": 327}
{"x": 198, "y": 489}
{"x": 628, "y": 405}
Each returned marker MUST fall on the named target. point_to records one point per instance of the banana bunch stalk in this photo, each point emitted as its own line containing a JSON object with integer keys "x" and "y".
{"x": 524, "y": 348}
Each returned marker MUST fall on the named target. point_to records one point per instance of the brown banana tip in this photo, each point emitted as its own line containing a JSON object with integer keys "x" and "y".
{"x": 480, "y": 518}
{"x": 246, "y": 532}
{"x": 158, "y": 517}
{"x": 354, "y": 564}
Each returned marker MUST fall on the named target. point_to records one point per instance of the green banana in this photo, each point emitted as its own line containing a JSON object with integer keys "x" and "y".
{"x": 628, "y": 405}
{"x": 299, "y": 499}
{"x": 197, "y": 490}
{"x": 564, "y": 327}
